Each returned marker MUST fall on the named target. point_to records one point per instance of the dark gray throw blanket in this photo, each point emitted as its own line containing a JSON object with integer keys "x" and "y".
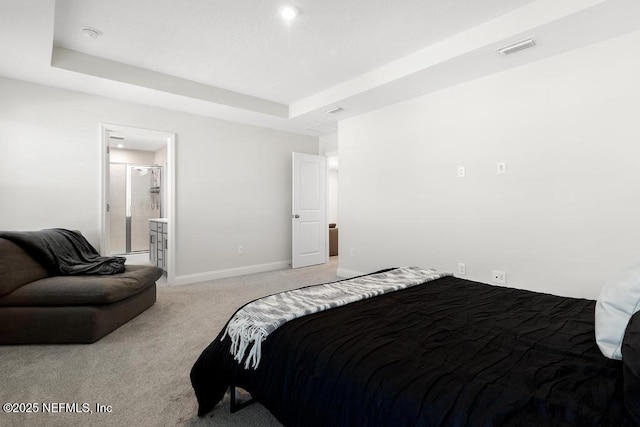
{"x": 64, "y": 252}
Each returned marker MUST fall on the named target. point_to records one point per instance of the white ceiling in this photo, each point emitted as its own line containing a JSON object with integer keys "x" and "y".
{"x": 237, "y": 60}
{"x": 245, "y": 46}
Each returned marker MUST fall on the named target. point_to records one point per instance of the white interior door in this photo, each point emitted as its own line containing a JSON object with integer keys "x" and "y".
{"x": 308, "y": 216}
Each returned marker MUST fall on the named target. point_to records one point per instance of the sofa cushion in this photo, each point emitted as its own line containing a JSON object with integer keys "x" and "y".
{"x": 17, "y": 268}
{"x": 83, "y": 290}
{"x": 72, "y": 323}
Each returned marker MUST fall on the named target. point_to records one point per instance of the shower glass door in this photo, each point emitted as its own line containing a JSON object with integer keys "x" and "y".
{"x": 144, "y": 204}
{"x": 135, "y": 197}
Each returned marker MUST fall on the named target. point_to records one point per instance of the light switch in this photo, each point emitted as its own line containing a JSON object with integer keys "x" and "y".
{"x": 502, "y": 168}
{"x": 462, "y": 269}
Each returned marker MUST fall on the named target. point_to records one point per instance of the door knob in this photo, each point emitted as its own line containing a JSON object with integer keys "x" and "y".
{"x": 296, "y": 216}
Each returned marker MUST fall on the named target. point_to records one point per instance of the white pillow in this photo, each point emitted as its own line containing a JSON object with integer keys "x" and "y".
{"x": 617, "y": 302}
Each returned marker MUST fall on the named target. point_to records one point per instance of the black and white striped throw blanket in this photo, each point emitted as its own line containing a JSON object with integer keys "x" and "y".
{"x": 251, "y": 325}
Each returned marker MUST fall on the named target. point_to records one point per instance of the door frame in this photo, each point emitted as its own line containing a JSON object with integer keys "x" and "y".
{"x": 106, "y": 129}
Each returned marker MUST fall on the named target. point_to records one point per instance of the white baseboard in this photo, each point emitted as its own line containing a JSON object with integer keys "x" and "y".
{"x": 187, "y": 279}
{"x": 346, "y": 273}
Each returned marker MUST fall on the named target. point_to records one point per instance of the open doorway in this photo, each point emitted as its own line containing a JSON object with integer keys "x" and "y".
{"x": 332, "y": 203}
{"x": 138, "y": 187}
{"x": 135, "y": 197}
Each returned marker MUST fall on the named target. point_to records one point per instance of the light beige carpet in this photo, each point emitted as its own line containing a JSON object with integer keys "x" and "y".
{"x": 141, "y": 370}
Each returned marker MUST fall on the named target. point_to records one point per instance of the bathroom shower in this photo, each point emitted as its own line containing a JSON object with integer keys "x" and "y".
{"x": 135, "y": 196}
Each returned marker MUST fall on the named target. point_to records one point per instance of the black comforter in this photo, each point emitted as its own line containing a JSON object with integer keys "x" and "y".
{"x": 450, "y": 352}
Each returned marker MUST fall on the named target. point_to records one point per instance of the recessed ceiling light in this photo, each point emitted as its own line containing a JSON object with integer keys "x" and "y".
{"x": 120, "y": 145}
{"x": 289, "y": 13}
{"x": 91, "y": 33}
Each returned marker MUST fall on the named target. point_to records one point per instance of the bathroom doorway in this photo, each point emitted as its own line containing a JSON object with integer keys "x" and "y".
{"x": 138, "y": 185}
{"x": 135, "y": 197}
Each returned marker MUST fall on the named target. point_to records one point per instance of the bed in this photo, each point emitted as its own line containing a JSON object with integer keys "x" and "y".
{"x": 449, "y": 352}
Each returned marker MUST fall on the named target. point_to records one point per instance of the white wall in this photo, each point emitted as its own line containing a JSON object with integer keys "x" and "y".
{"x": 332, "y": 195}
{"x": 329, "y": 147}
{"x": 563, "y": 218}
{"x": 160, "y": 156}
{"x": 233, "y": 180}
{"x": 328, "y": 144}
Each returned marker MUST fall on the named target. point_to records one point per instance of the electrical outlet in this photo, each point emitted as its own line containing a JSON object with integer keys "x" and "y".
{"x": 499, "y": 277}
{"x": 462, "y": 269}
{"x": 461, "y": 172}
{"x": 353, "y": 252}
{"x": 240, "y": 250}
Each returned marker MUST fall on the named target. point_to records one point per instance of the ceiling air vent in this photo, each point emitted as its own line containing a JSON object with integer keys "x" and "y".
{"x": 334, "y": 110}
{"x": 517, "y": 46}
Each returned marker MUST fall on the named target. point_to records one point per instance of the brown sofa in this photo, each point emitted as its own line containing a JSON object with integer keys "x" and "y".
{"x": 37, "y": 308}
